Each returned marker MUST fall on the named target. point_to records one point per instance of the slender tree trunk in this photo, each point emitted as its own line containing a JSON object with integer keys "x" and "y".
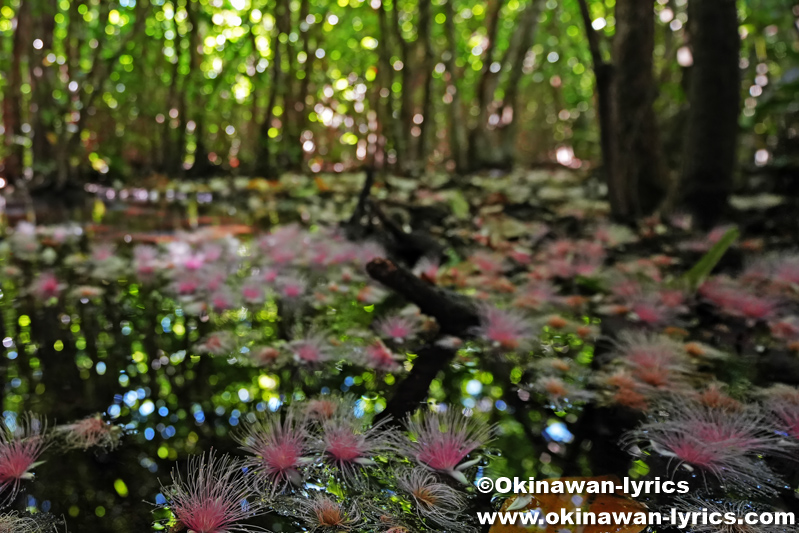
{"x": 457, "y": 136}
{"x": 714, "y": 97}
{"x": 404, "y": 158}
{"x": 12, "y": 98}
{"x": 522, "y": 40}
{"x": 428, "y": 125}
{"x": 479, "y": 146}
{"x": 201, "y": 164}
{"x": 639, "y": 167}
{"x": 265, "y": 164}
{"x": 392, "y": 129}
{"x": 603, "y": 73}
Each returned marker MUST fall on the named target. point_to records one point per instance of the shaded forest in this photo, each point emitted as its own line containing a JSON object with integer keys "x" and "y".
{"x": 673, "y": 102}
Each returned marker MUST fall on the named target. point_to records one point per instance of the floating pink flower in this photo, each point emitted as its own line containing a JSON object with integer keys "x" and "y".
{"x": 222, "y": 300}
{"x": 21, "y": 446}
{"x": 724, "y": 444}
{"x": 46, "y": 286}
{"x": 398, "y": 328}
{"x": 253, "y": 292}
{"x": 347, "y": 445}
{"x": 433, "y": 499}
{"x": 313, "y": 348}
{"x": 322, "y": 512}
{"x": 503, "y": 328}
{"x": 90, "y": 432}
{"x": 280, "y": 448}
{"x": 215, "y": 496}
{"x": 379, "y": 357}
{"x": 291, "y": 287}
{"x": 441, "y": 441}
{"x": 655, "y": 360}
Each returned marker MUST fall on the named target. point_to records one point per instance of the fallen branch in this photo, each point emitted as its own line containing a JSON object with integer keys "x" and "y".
{"x": 455, "y": 314}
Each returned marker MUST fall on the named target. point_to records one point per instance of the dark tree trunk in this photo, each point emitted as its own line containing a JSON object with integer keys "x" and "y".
{"x": 480, "y": 149}
{"x": 638, "y": 166}
{"x": 714, "y": 96}
{"x": 264, "y": 162}
{"x": 12, "y": 98}
{"x": 428, "y": 125}
{"x": 523, "y": 38}
{"x": 457, "y": 134}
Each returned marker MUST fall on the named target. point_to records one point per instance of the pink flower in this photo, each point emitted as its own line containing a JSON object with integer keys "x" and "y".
{"x": 280, "y": 448}
{"x": 505, "y": 329}
{"x": 655, "y": 360}
{"x": 347, "y": 445}
{"x": 214, "y": 496}
{"x": 723, "y": 444}
{"x": 322, "y": 512}
{"x": 20, "y": 449}
{"x": 433, "y": 499}
{"x": 487, "y": 263}
{"x": 222, "y": 300}
{"x": 252, "y": 292}
{"x": 398, "y": 328}
{"x": 737, "y": 301}
{"x": 651, "y": 311}
{"x": 783, "y": 402}
{"x": 427, "y": 268}
{"x": 187, "y": 285}
{"x": 290, "y": 287}
{"x": 537, "y": 295}
{"x": 314, "y": 348}
{"x": 46, "y": 286}
{"x": 90, "y": 432}
{"x": 379, "y": 357}
{"x": 441, "y": 441}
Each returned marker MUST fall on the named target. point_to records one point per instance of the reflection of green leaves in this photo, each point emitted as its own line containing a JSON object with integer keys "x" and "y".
{"x": 702, "y": 269}
{"x": 459, "y": 205}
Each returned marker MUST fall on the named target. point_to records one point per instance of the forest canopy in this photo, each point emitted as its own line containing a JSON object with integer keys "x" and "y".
{"x": 120, "y": 89}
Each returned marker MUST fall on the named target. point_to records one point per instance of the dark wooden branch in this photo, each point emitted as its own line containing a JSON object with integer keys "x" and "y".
{"x": 412, "y": 392}
{"x": 455, "y": 314}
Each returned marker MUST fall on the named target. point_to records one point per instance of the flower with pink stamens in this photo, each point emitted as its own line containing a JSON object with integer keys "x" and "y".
{"x": 291, "y": 287}
{"x": 253, "y": 292}
{"x": 379, "y": 357}
{"x": 46, "y": 286}
{"x": 346, "y": 444}
{"x": 487, "y": 263}
{"x": 503, "y": 328}
{"x": 21, "y": 446}
{"x": 280, "y": 447}
{"x": 442, "y": 440}
{"x": 723, "y": 444}
{"x": 655, "y": 360}
{"x": 313, "y": 348}
{"x": 738, "y": 301}
{"x": 90, "y": 432}
{"x": 216, "y": 495}
{"x": 321, "y": 512}
{"x": 432, "y": 499}
{"x": 398, "y": 328}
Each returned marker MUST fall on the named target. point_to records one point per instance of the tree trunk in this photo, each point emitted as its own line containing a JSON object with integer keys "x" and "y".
{"x": 479, "y": 147}
{"x": 457, "y": 134}
{"x": 639, "y": 168}
{"x": 523, "y": 38}
{"x": 714, "y": 97}
{"x": 12, "y": 98}
{"x": 427, "y": 127}
{"x": 264, "y": 162}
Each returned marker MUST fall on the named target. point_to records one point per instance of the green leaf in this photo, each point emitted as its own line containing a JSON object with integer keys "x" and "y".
{"x": 459, "y": 205}
{"x": 702, "y": 269}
